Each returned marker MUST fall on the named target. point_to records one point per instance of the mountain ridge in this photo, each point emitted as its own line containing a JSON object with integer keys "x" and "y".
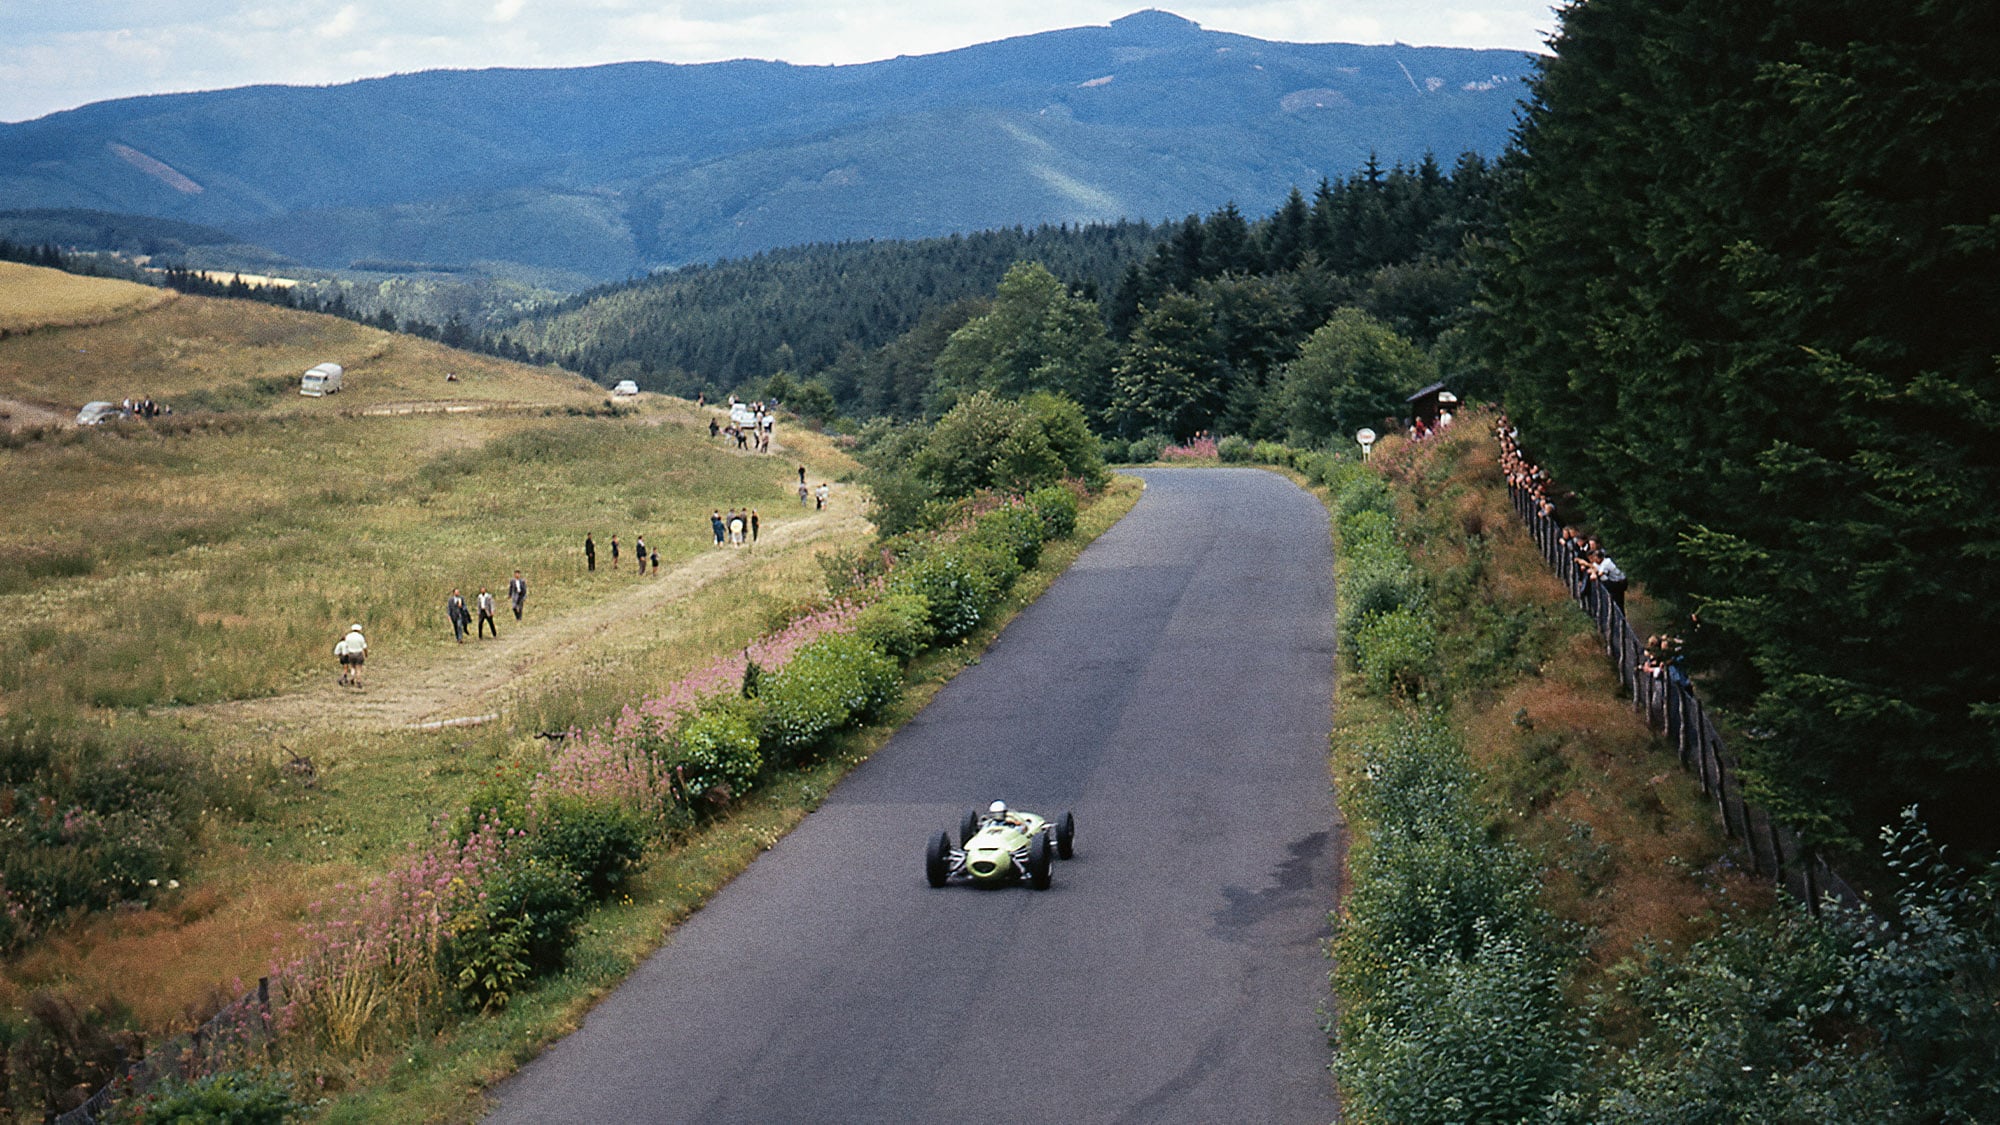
{"x": 626, "y": 167}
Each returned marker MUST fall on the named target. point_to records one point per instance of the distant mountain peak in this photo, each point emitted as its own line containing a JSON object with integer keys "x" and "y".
{"x": 1155, "y": 24}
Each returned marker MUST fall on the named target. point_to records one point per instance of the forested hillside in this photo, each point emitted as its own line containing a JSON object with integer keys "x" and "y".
{"x": 1745, "y": 301}
{"x": 1166, "y": 330}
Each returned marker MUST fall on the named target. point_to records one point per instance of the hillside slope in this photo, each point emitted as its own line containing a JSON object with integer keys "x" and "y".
{"x": 609, "y": 169}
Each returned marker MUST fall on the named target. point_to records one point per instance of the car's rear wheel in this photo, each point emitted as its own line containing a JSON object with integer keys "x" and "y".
{"x": 937, "y": 860}
{"x": 969, "y": 827}
{"x": 1066, "y": 836}
{"x": 1041, "y": 861}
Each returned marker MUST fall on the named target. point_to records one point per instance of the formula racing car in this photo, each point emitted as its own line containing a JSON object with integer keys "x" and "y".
{"x": 1001, "y": 845}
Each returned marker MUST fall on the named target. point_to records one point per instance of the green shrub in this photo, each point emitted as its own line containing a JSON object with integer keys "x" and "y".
{"x": 1448, "y": 971}
{"x": 898, "y": 625}
{"x": 1057, "y": 507}
{"x": 600, "y": 843}
{"x": 829, "y": 683}
{"x": 718, "y": 745}
{"x": 1016, "y": 529}
{"x": 542, "y": 902}
{"x": 1362, "y": 492}
{"x": 1396, "y": 651}
{"x": 1450, "y": 1040}
{"x": 1146, "y": 449}
{"x": 958, "y": 593}
{"x": 231, "y": 1097}
{"x": 992, "y": 561}
{"x": 1269, "y": 453}
{"x": 1237, "y": 450}
{"x": 1366, "y": 528}
{"x": 1374, "y": 583}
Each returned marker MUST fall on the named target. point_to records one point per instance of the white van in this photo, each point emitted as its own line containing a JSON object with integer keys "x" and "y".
{"x": 321, "y": 380}
{"x": 625, "y": 388}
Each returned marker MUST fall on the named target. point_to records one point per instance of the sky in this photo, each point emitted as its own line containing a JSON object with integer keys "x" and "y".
{"x": 59, "y": 54}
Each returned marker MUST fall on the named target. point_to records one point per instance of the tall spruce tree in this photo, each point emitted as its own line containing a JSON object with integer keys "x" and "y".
{"x": 1745, "y": 302}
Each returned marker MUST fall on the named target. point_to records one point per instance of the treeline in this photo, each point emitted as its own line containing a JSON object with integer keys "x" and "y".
{"x": 1167, "y": 330}
{"x": 728, "y": 325}
{"x": 1744, "y": 297}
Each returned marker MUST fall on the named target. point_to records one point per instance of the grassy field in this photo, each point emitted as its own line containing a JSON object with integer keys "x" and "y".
{"x": 180, "y": 583}
{"x": 32, "y": 297}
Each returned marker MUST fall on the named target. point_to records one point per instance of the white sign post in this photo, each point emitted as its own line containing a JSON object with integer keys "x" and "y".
{"x": 1367, "y": 439}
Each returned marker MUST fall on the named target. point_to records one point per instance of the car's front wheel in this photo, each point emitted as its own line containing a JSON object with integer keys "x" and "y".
{"x": 1041, "y": 861}
{"x": 937, "y": 860}
{"x": 1066, "y": 836}
{"x": 969, "y": 827}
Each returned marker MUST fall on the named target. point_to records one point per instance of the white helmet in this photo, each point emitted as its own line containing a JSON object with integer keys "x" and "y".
{"x": 997, "y": 808}
{"x": 356, "y": 627}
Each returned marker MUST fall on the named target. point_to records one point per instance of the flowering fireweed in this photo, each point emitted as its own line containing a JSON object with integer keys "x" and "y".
{"x": 610, "y": 763}
{"x": 371, "y": 959}
{"x": 1200, "y": 449}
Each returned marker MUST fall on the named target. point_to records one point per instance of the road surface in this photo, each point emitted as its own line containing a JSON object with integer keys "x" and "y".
{"x": 1173, "y": 689}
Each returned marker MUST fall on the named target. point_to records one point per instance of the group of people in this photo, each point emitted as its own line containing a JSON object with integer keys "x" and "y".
{"x": 144, "y": 407}
{"x": 817, "y": 495}
{"x": 1664, "y": 655}
{"x": 755, "y": 433}
{"x": 460, "y": 615}
{"x": 732, "y": 528}
{"x": 644, "y": 554}
{"x": 1581, "y": 551}
{"x": 1422, "y": 427}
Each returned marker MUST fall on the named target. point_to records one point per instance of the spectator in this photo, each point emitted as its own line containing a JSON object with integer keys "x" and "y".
{"x": 753, "y": 525}
{"x": 486, "y": 619}
{"x": 820, "y": 496}
{"x": 715, "y": 522}
{"x": 517, "y": 593}
{"x": 352, "y": 652}
{"x": 614, "y": 552}
{"x": 589, "y": 553}
{"x": 656, "y": 562}
{"x": 639, "y": 549}
{"x": 461, "y": 619}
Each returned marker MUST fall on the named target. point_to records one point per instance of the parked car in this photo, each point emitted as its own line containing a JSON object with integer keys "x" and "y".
{"x": 1001, "y": 845}
{"x": 96, "y": 412}
{"x": 321, "y": 380}
{"x": 625, "y": 388}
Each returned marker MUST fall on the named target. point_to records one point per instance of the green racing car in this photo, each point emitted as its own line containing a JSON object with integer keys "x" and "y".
{"x": 1001, "y": 845}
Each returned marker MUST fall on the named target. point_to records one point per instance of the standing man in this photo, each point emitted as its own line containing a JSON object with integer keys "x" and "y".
{"x": 589, "y": 553}
{"x": 486, "y": 620}
{"x": 820, "y": 496}
{"x": 353, "y": 653}
{"x": 802, "y": 476}
{"x": 517, "y": 593}
{"x": 753, "y": 525}
{"x": 454, "y": 608}
{"x": 803, "y": 492}
{"x": 614, "y": 552}
{"x": 639, "y": 548}
{"x": 715, "y": 522}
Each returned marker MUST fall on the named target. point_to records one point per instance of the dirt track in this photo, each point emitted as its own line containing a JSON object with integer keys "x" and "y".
{"x": 481, "y": 677}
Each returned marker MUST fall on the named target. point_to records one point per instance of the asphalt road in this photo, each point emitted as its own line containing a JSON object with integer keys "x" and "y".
{"x": 1173, "y": 689}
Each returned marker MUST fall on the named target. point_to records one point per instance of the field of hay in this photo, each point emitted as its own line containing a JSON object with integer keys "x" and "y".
{"x": 210, "y": 355}
{"x": 32, "y": 297}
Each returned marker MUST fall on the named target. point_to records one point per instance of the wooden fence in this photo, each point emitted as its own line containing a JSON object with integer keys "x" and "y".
{"x": 1673, "y": 709}
{"x": 243, "y": 1025}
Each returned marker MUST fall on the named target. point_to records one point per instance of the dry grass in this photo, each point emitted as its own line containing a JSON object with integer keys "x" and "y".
{"x": 199, "y": 353}
{"x": 157, "y": 577}
{"x": 1632, "y": 849}
{"x": 32, "y": 297}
